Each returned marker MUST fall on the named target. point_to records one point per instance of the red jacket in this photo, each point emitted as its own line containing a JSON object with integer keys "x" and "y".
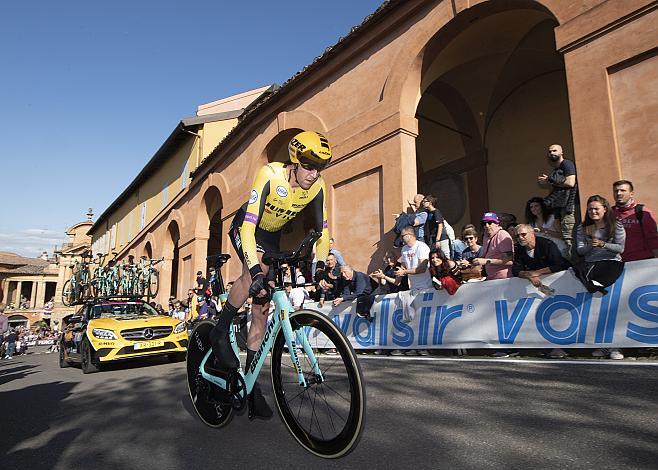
{"x": 640, "y": 240}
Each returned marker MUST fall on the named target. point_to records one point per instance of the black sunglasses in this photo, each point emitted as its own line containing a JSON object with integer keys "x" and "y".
{"x": 309, "y": 166}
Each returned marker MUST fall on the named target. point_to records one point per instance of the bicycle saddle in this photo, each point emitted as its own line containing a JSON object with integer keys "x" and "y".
{"x": 221, "y": 258}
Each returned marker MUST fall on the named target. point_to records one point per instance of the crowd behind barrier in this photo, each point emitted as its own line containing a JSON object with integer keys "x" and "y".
{"x": 560, "y": 265}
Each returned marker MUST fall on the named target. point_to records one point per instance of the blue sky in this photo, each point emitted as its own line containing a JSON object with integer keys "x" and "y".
{"x": 90, "y": 90}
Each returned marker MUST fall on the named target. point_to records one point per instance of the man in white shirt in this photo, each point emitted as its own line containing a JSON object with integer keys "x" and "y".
{"x": 415, "y": 261}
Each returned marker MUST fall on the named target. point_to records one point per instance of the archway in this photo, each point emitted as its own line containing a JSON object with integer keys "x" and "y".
{"x": 494, "y": 97}
{"x": 148, "y": 250}
{"x": 17, "y": 320}
{"x": 174, "y": 237}
{"x": 213, "y": 218}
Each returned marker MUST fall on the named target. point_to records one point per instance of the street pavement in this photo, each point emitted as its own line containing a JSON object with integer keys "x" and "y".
{"x": 421, "y": 413}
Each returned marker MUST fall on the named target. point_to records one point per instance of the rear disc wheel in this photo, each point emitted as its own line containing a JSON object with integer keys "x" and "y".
{"x": 205, "y": 395}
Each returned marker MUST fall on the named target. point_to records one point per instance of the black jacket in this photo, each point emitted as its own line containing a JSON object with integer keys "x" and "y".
{"x": 357, "y": 287}
{"x": 547, "y": 255}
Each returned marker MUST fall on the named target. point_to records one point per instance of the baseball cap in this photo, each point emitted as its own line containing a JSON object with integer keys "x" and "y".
{"x": 490, "y": 217}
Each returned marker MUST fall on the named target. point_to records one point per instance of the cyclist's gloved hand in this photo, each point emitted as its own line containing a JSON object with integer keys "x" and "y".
{"x": 258, "y": 284}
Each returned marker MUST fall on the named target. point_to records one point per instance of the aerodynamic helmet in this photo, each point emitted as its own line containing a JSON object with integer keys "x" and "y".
{"x": 311, "y": 150}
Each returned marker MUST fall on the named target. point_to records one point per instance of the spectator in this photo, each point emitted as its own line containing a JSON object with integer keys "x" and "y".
{"x": 4, "y": 320}
{"x": 201, "y": 284}
{"x": 213, "y": 283}
{"x": 296, "y": 295}
{"x": 334, "y": 251}
{"x": 600, "y": 239}
{"x": 544, "y": 223}
{"x": 498, "y": 249}
{"x": 414, "y": 261}
{"x": 386, "y": 277}
{"x": 469, "y": 271}
{"x": 10, "y": 341}
{"x": 435, "y": 234}
{"x": 287, "y": 273}
{"x": 300, "y": 279}
{"x": 444, "y": 271}
{"x": 562, "y": 198}
{"x": 330, "y": 282}
{"x": 179, "y": 312}
{"x": 160, "y": 310}
{"x": 638, "y": 221}
{"x": 356, "y": 285}
{"x": 538, "y": 256}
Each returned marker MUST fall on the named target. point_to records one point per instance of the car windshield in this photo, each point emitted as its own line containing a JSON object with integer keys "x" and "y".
{"x": 122, "y": 310}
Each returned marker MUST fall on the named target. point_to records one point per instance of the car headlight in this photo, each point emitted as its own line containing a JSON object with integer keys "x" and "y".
{"x": 179, "y": 328}
{"x": 103, "y": 334}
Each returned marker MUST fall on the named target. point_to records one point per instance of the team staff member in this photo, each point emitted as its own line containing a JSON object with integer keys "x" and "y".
{"x": 280, "y": 192}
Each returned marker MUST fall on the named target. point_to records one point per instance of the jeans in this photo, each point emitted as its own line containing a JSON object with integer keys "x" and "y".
{"x": 11, "y": 348}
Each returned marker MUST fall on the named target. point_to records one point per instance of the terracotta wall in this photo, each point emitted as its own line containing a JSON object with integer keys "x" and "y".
{"x": 365, "y": 101}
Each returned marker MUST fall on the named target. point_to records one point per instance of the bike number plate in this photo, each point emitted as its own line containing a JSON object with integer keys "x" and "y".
{"x": 148, "y": 344}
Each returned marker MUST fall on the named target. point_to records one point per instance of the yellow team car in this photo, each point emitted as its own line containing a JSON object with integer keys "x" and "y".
{"x": 112, "y": 330}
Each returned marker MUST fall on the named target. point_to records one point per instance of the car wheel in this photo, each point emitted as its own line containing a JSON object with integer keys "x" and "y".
{"x": 88, "y": 365}
{"x": 62, "y": 356}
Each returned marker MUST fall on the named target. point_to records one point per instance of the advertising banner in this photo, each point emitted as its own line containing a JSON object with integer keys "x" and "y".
{"x": 511, "y": 313}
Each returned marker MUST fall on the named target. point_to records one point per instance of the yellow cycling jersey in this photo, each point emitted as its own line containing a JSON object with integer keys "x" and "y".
{"x": 273, "y": 203}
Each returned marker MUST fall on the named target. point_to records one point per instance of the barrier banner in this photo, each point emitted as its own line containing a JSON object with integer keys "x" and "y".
{"x": 511, "y": 313}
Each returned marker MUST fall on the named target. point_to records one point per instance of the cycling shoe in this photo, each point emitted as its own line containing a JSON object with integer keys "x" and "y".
{"x": 258, "y": 407}
{"x": 225, "y": 358}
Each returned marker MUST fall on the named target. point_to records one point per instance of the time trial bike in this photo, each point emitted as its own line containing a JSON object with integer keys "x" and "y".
{"x": 320, "y": 398}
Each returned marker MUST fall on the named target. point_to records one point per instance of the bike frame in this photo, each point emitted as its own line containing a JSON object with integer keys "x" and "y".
{"x": 280, "y": 319}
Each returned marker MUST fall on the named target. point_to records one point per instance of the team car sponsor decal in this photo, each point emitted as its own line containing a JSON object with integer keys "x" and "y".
{"x": 254, "y": 196}
{"x": 281, "y": 191}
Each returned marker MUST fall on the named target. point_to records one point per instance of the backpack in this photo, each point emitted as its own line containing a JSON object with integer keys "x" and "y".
{"x": 402, "y": 221}
{"x": 639, "y": 214}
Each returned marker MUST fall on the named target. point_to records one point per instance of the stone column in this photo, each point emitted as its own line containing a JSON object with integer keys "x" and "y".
{"x": 41, "y": 291}
{"x": 33, "y": 294}
{"x": 19, "y": 287}
{"x": 5, "y": 291}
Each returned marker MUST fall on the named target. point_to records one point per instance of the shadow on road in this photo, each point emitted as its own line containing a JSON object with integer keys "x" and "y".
{"x": 420, "y": 414}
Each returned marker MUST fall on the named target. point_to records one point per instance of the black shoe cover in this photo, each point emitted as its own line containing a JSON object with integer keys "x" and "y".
{"x": 225, "y": 358}
{"x": 258, "y": 407}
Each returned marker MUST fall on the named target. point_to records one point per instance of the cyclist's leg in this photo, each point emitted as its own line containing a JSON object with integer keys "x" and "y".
{"x": 258, "y": 406}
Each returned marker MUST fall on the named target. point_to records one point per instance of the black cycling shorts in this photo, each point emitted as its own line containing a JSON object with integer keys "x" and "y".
{"x": 266, "y": 242}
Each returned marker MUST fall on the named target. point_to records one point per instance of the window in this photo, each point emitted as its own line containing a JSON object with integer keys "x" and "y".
{"x": 142, "y": 215}
{"x": 164, "y": 195}
{"x": 183, "y": 177}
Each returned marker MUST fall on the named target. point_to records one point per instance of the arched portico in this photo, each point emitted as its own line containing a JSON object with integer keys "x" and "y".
{"x": 489, "y": 92}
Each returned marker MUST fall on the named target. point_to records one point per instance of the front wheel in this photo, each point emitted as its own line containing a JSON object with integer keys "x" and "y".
{"x": 88, "y": 365}
{"x": 67, "y": 294}
{"x": 205, "y": 395}
{"x": 327, "y": 417}
{"x": 62, "y": 356}
{"x": 153, "y": 284}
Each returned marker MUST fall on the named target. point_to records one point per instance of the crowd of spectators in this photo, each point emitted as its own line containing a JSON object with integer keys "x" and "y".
{"x": 427, "y": 252}
{"x": 15, "y": 340}
{"x": 549, "y": 240}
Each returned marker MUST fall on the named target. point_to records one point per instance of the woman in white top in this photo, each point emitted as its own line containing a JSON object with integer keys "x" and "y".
{"x": 545, "y": 224}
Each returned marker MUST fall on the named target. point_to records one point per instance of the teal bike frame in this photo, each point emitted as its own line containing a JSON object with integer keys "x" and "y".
{"x": 279, "y": 320}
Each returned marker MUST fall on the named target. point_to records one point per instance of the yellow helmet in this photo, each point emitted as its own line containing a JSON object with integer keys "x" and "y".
{"x": 311, "y": 150}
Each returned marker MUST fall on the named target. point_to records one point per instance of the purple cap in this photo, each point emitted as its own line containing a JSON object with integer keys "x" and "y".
{"x": 490, "y": 217}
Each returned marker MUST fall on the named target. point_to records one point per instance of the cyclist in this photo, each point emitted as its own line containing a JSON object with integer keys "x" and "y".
{"x": 280, "y": 192}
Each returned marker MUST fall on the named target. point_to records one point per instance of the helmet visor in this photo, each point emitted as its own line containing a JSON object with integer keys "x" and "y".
{"x": 309, "y": 160}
